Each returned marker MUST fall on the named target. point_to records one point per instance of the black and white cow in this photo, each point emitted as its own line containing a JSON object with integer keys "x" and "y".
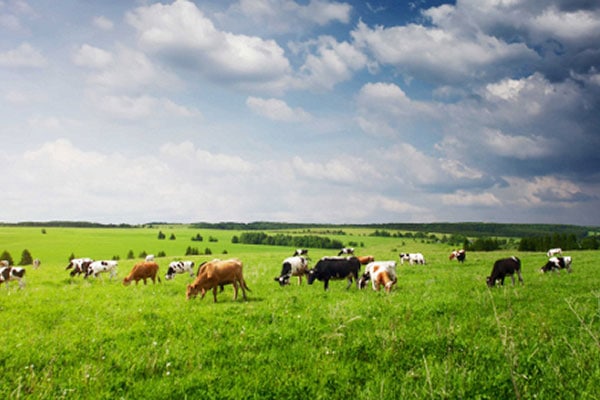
{"x": 12, "y": 274}
{"x": 459, "y": 255}
{"x": 292, "y": 266}
{"x": 503, "y": 267}
{"x": 300, "y": 252}
{"x": 79, "y": 266}
{"x": 180, "y": 267}
{"x": 349, "y": 251}
{"x": 412, "y": 258}
{"x": 97, "y": 267}
{"x": 335, "y": 268}
{"x": 557, "y": 263}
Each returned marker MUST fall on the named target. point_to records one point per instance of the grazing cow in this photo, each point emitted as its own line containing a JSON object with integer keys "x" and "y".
{"x": 292, "y": 266}
{"x": 79, "y": 265}
{"x": 557, "y": 263}
{"x": 364, "y": 260}
{"x": 335, "y": 268}
{"x": 460, "y": 255}
{"x": 149, "y": 258}
{"x": 102, "y": 266}
{"x": 554, "y": 252}
{"x": 346, "y": 251}
{"x": 216, "y": 273}
{"x": 300, "y": 252}
{"x": 36, "y": 263}
{"x": 142, "y": 270}
{"x": 12, "y": 274}
{"x": 503, "y": 267}
{"x": 412, "y": 258}
{"x": 380, "y": 273}
{"x": 180, "y": 267}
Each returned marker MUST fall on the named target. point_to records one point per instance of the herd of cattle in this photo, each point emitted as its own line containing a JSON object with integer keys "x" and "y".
{"x": 215, "y": 274}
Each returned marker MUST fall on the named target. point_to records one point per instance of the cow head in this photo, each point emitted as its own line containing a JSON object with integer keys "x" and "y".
{"x": 311, "y": 276}
{"x": 362, "y": 282}
{"x": 283, "y": 280}
{"x": 170, "y": 273}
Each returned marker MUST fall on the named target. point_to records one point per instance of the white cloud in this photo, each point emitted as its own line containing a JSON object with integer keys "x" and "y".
{"x": 465, "y": 199}
{"x": 24, "y": 56}
{"x": 92, "y": 57}
{"x": 140, "y": 107}
{"x": 517, "y": 146}
{"x": 103, "y": 23}
{"x": 277, "y": 110}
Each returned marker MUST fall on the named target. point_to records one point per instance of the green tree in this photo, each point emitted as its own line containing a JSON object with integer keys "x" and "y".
{"x": 6, "y": 256}
{"x": 26, "y": 258}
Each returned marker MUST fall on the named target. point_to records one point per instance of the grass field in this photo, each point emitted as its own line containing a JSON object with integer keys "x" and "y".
{"x": 440, "y": 334}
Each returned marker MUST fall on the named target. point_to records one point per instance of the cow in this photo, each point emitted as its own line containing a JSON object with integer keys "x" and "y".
{"x": 142, "y": 270}
{"x": 180, "y": 267}
{"x": 503, "y": 267}
{"x": 97, "y": 267}
{"x": 380, "y": 273}
{"x": 346, "y": 251}
{"x": 557, "y": 263}
{"x": 216, "y": 273}
{"x": 364, "y": 260}
{"x": 149, "y": 258}
{"x": 36, "y": 263}
{"x": 554, "y": 252}
{"x": 412, "y": 258}
{"x": 292, "y": 266}
{"x": 459, "y": 255}
{"x": 9, "y": 273}
{"x": 300, "y": 252}
{"x": 79, "y": 266}
{"x": 335, "y": 268}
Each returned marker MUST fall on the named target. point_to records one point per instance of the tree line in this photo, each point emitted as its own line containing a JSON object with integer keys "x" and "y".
{"x": 314, "y": 241}
{"x": 561, "y": 240}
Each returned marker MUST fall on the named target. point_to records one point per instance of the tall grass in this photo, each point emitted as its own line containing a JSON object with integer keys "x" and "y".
{"x": 440, "y": 334}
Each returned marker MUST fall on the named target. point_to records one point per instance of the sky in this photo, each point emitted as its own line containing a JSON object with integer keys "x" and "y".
{"x": 308, "y": 111}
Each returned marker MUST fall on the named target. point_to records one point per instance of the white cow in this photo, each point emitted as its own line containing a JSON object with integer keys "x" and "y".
{"x": 412, "y": 258}
{"x": 554, "y": 252}
{"x": 380, "y": 273}
{"x": 97, "y": 267}
{"x": 150, "y": 257}
{"x": 292, "y": 266}
{"x": 179, "y": 267}
{"x": 8, "y": 274}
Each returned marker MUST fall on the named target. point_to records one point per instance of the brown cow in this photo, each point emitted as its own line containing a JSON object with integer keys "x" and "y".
{"x": 142, "y": 270}
{"x": 364, "y": 260}
{"x": 216, "y": 273}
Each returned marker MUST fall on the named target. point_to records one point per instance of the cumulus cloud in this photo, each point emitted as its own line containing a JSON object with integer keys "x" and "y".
{"x": 92, "y": 57}
{"x": 277, "y": 110}
{"x": 23, "y": 56}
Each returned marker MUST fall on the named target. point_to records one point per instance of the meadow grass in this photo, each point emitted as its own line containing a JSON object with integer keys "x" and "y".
{"x": 440, "y": 334}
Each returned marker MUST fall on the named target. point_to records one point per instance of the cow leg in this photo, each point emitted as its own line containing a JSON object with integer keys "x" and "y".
{"x": 235, "y": 289}
{"x": 215, "y": 294}
{"x": 326, "y": 284}
{"x": 520, "y": 277}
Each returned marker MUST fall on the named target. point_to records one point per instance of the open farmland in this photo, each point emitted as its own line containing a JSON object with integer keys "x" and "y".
{"x": 440, "y": 334}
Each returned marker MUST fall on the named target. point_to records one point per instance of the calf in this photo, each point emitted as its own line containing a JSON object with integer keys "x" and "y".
{"x": 142, "y": 271}
{"x": 553, "y": 252}
{"x": 216, "y": 273}
{"x": 9, "y": 273}
{"x": 97, "y": 267}
{"x": 335, "y": 268}
{"x": 459, "y": 255}
{"x": 380, "y": 273}
{"x": 79, "y": 266}
{"x": 292, "y": 266}
{"x": 412, "y": 258}
{"x": 557, "y": 263}
{"x": 503, "y": 267}
{"x": 180, "y": 267}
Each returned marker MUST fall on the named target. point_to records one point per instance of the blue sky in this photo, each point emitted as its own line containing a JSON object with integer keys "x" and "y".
{"x": 300, "y": 111}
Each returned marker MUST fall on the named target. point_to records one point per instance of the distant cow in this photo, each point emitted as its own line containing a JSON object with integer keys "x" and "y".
{"x": 412, "y": 258}
{"x": 97, "y": 267}
{"x": 335, "y": 268}
{"x": 557, "y": 263}
{"x": 142, "y": 271}
{"x": 503, "y": 267}
{"x": 364, "y": 260}
{"x": 292, "y": 266}
{"x": 9, "y": 273}
{"x": 149, "y": 257}
{"x": 459, "y": 255}
{"x": 380, "y": 273}
{"x": 36, "y": 263}
{"x": 553, "y": 252}
{"x": 216, "y": 273}
{"x": 79, "y": 266}
{"x": 180, "y": 267}
{"x": 346, "y": 251}
{"x": 300, "y": 252}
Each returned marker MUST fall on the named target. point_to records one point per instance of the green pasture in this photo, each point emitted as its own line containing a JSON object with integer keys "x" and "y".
{"x": 441, "y": 334}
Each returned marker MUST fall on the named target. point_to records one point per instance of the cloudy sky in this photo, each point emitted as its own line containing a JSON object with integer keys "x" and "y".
{"x": 300, "y": 111}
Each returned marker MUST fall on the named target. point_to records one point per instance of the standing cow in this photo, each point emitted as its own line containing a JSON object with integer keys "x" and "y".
{"x": 216, "y": 273}
{"x": 380, "y": 273}
{"x": 335, "y": 268}
{"x": 79, "y": 266}
{"x": 292, "y": 266}
{"x": 180, "y": 267}
{"x": 412, "y": 258}
{"x": 503, "y": 267}
{"x": 459, "y": 255}
{"x": 9, "y": 273}
{"x": 97, "y": 267}
{"x": 557, "y": 263}
{"x": 348, "y": 251}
